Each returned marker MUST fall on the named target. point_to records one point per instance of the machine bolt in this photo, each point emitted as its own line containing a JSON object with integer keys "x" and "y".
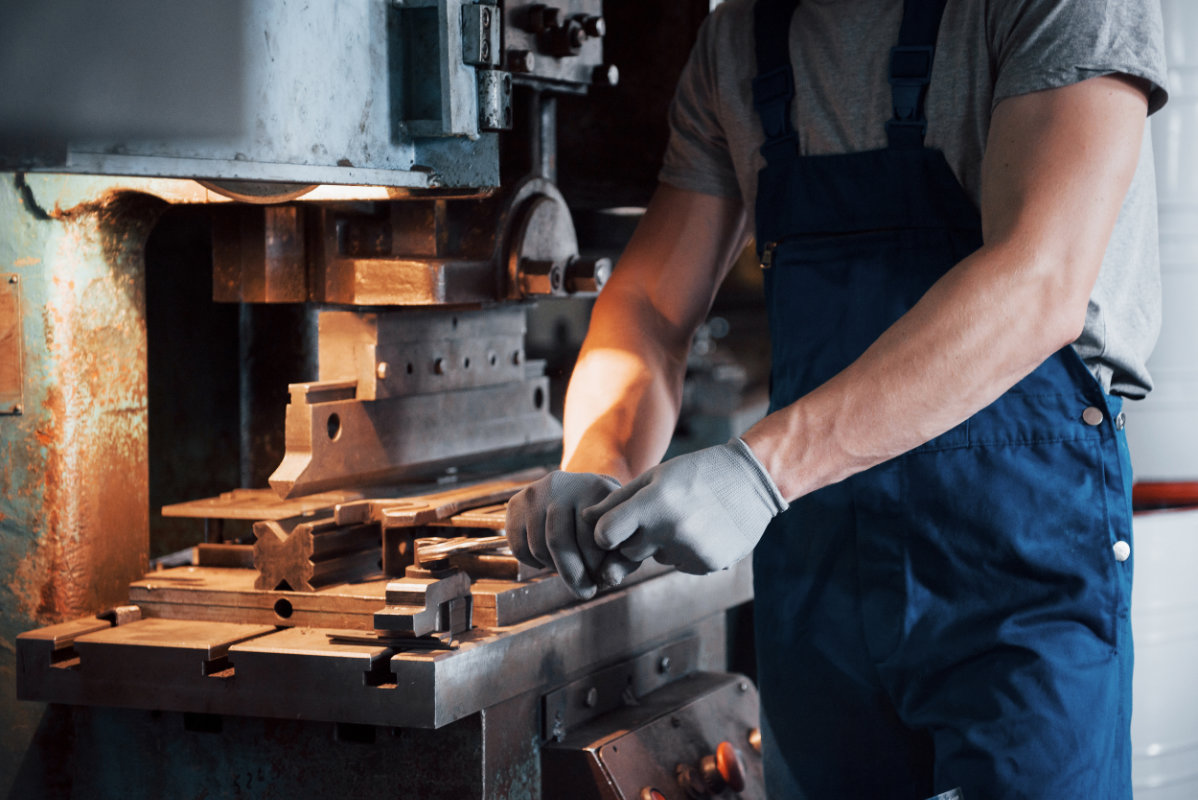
{"x": 382, "y": 370}
{"x": 587, "y": 274}
{"x": 576, "y": 35}
{"x": 592, "y": 698}
{"x": 663, "y": 666}
{"x": 594, "y": 26}
{"x": 521, "y": 60}
{"x": 540, "y": 277}
{"x": 606, "y": 75}
{"x": 17, "y": 409}
{"x": 13, "y": 278}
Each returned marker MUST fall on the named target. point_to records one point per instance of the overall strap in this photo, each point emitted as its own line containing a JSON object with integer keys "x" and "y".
{"x": 911, "y": 72}
{"x": 773, "y": 88}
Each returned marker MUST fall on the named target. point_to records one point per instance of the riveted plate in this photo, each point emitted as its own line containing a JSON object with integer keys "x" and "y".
{"x": 11, "y": 381}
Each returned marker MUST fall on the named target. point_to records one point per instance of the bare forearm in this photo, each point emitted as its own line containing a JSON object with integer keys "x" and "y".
{"x": 625, "y": 392}
{"x": 975, "y": 334}
{"x": 1057, "y": 166}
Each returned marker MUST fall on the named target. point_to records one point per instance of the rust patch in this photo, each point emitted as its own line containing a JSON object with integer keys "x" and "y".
{"x": 89, "y": 516}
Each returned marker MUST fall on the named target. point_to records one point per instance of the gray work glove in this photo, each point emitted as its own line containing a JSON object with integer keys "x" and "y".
{"x": 700, "y": 512}
{"x": 545, "y": 527}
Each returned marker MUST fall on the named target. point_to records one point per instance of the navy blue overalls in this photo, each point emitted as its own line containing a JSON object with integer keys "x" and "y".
{"x": 957, "y": 616}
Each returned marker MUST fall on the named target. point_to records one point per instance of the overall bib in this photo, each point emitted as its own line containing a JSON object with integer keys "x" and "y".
{"x": 957, "y": 616}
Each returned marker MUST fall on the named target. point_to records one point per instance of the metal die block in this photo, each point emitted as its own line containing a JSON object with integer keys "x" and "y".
{"x": 12, "y": 356}
{"x": 567, "y": 707}
{"x": 228, "y": 595}
{"x": 502, "y": 603}
{"x": 337, "y": 442}
{"x": 673, "y": 732}
{"x": 421, "y": 351}
{"x": 303, "y": 554}
{"x": 257, "y": 504}
{"x": 258, "y": 254}
{"x": 494, "y": 100}
{"x": 421, "y": 606}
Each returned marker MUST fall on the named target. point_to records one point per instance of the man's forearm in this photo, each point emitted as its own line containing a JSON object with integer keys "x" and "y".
{"x": 626, "y": 389}
{"x": 625, "y": 393}
{"x": 1057, "y": 167}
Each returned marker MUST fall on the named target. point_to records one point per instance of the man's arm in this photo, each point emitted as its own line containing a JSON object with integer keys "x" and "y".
{"x": 625, "y": 392}
{"x": 1057, "y": 166}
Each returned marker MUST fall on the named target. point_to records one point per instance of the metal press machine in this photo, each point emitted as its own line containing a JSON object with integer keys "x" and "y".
{"x": 394, "y": 174}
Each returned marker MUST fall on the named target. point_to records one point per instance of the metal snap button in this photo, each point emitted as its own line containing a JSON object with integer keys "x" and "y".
{"x": 1092, "y": 416}
{"x": 1120, "y": 421}
{"x": 1122, "y": 550}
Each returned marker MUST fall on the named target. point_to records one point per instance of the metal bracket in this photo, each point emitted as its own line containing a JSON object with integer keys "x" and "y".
{"x": 12, "y": 383}
{"x": 481, "y": 35}
{"x": 621, "y": 684}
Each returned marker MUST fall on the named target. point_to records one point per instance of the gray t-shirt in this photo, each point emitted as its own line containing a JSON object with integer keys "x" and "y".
{"x": 987, "y": 50}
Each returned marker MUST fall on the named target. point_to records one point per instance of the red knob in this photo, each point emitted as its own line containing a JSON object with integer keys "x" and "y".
{"x": 723, "y": 770}
{"x": 727, "y": 761}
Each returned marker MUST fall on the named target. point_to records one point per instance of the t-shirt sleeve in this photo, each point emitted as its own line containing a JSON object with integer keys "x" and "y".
{"x": 1047, "y": 44}
{"x": 697, "y": 157}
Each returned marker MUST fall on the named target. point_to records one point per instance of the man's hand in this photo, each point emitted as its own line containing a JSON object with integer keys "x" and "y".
{"x": 700, "y": 512}
{"x": 545, "y": 526}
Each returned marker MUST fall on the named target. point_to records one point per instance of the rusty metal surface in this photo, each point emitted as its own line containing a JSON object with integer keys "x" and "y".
{"x": 73, "y": 467}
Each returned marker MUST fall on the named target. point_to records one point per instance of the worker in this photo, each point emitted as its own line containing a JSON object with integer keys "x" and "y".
{"x": 954, "y": 211}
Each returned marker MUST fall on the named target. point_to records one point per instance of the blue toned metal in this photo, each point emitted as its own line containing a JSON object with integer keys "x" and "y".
{"x": 73, "y": 465}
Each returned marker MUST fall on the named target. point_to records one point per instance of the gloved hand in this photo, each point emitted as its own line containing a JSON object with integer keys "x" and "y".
{"x": 545, "y": 527}
{"x": 700, "y": 512}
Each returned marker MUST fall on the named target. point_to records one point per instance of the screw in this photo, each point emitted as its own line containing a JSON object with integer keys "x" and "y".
{"x": 13, "y": 279}
{"x": 592, "y": 698}
{"x": 439, "y": 366}
{"x": 17, "y": 409}
{"x": 382, "y": 370}
{"x": 743, "y": 686}
{"x": 663, "y": 666}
